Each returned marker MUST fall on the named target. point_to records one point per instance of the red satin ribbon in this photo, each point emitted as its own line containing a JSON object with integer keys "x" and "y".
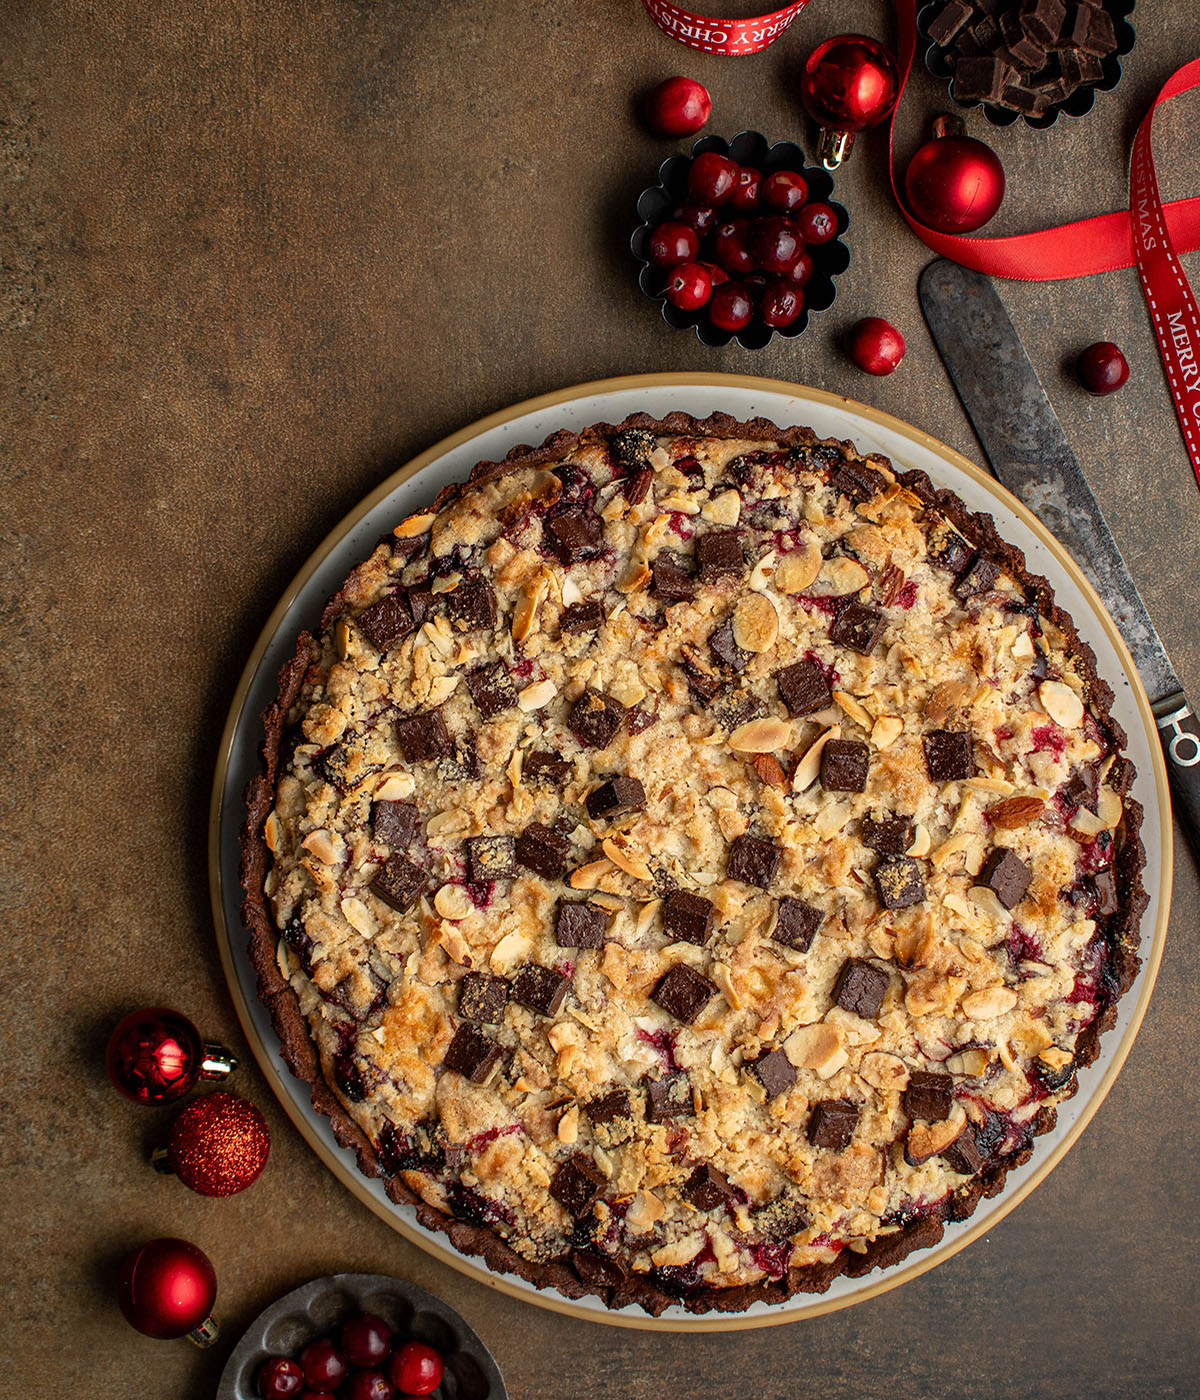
{"x": 728, "y": 36}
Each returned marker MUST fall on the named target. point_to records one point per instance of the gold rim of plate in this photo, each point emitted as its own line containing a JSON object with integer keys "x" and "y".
{"x": 347, "y": 1172}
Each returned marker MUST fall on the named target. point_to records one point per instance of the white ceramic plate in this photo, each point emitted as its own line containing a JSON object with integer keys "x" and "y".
{"x": 609, "y": 401}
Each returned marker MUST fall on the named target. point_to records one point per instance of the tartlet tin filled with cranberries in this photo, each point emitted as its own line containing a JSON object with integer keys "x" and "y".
{"x": 740, "y": 240}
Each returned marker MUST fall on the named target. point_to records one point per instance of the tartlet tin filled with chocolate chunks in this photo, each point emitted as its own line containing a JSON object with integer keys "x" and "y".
{"x": 1027, "y": 58}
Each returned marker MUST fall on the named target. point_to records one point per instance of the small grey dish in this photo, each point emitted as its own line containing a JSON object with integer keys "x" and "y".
{"x": 747, "y": 148}
{"x": 320, "y": 1307}
{"x": 1078, "y": 104}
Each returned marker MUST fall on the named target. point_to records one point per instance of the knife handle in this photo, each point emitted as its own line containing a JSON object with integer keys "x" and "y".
{"x": 1179, "y": 731}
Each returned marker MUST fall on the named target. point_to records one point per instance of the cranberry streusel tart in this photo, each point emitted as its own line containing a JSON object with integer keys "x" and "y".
{"x": 692, "y": 861}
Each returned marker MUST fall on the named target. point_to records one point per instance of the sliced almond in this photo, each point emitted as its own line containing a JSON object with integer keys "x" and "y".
{"x": 453, "y": 902}
{"x": 887, "y": 1073}
{"x": 681, "y": 504}
{"x": 1109, "y": 808}
{"x": 568, "y": 1126}
{"x": 732, "y": 823}
{"x": 755, "y": 623}
{"x": 645, "y": 1211}
{"x": 1088, "y": 823}
{"x": 988, "y": 1003}
{"x": 625, "y": 859}
{"x": 1055, "y": 1058}
{"x": 886, "y": 730}
{"x": 724, "y": 980}
{"x": 814, "y": 1047}
{"x": 805, "y": 772}
{"x": 638, "y": 576}
{"x": 921, "y": 841}
{"x": 358, "y": 916}
{"x": 1014, "y": 812}
{"x": 971, "y": 1063}
{"x": 445, "y": 583}
{"x": 852, "y": 708}
{"x": 415, "y": 525}
{"x": 841, "y": 575}
{"x": 1022, "y": 648}
{"x": 272, "y": 832}
{"x": 915, "y": 944}
{"x": 724, "y": 509}
{"x": 442, "y": 688}
{"x": 763, "y": 571}
{"x": 764, "y": 735}
{"x": 533, "y": 697}
{"x": 328, "y": 848}
{"x": 926, "y": 1140}
{"x": 588, "y": 877}
{"x": 341, "y": 638}
{"x": 532, "y": 597}
{"x": 647, "y": 915}
{"x": 988, "y": 906}
{"x": 798, "y": 569}
{"x": 1061, "y": 703}
{"x": 512, "y": 949}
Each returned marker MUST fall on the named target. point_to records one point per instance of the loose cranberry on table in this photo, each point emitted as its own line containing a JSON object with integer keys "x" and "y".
{"x": 784, "y": 190}
{"x": 780, "y": 303}
{"x": 279, "y": 1379}
{"x": 323, "y": 1365}
{"x": 817, "y": 223}
{"x": 712, "y": 178}
{"x": 366, "y": 1340}
{"x": 1102, "y": 368}
{"x": 730, "y": 308}
{"x": 367, "y": 1385}
{"x": 689, "y": 286}
{"x": 875, "y": 345}
{"x": 747, "y": 188}
{"x": 672, "y": 243}
{"x": 678, "y": 106}
{"x": 775, "y": 243}
{"x": 416, "y": 1369}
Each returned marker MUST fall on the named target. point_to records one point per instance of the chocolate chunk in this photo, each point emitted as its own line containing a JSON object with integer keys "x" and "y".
{"x": 858, "y": 628}
{"x": 890, "y": 835}
{"x": 947, "y": 548}
{"x": 1101, "y": 35}
{"x": 703, "y": 681}
{"x": 1081, "y": 68}
{"x": 977, "y": 578}
{"x": 609, "y": 1107}
{"x": 542, "y": 766}
{"x": 948, "y": 21}
{"x": 753, "y": 861}
{"x": 581, "y": 617}
{"x": 706, "y": 1188}
{"x": 832, "y": 1123}
{"x": 491, "y": 858}
{"x": 482, "y": 997}
{"x": 462, "y": 763}
{"x": 671, "y": 580}
{"x": 423, "y": 602}
{"x": 492, "y": 689}
{"x": 394, "y": 823}
{"x": 688, "y": 917}
{"x": 1077, "y": 790}
{"x": 632, "y": 448}
{"x": 1021, "y": 47}
{"x": 683, "y": 993}
{"x": 472, "y": 1054}
{"x": 804, "y": 688}
{"x": 963, "y": 1155}
{"x": 948, "y": 755}
{"x": 1023, "y": 99}
{"x": 782, "y": 1218}
{"x": 1104, "y": 887}
{"x": 1051, "y": 1078}
{"x": 385, "y": 622}
{"x": 423, "y": 736}
{"x": 1073, "y": 31}
{"x": 579, "y": 925}
{"x": 844, "y": 764}
{"x": 543, "y": 850}
{"x": 719, "y": 555}
{"x": 979, "y": 79}
{"x": 577, "y": 1185}
{"x": 616, "y": 798}
{"x": 640, "y": 718}
{"x": 899, "y": 881}
{"x": 774, "y": 1071}
{"x": 725, "y": 650}
{"x": 1007, "y": 876}
{"x": 928, "y": 1096}
{"x": 575, "y": 535}
{"x": 796, "y": 924}
{"x": 541, "y": 989}
{"x": 860, "y": 988}
{"x": 733, "y": 708}
{"x": 668, "y": 1097}
{"x": 1043, "y": 20}
{"x": 857, "y": 481}
{"x": 596, "y": 719}
{"x": 473, "y": 603}
{"x": 597, "y": 1271}
{"x": 399, "y": 882}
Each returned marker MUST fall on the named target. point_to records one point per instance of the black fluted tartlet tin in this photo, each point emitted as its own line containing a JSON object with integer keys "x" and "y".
{"x": 654, "y": 205}
{"x": 318, "y": 1308}
{"x": 1078, "y": 104}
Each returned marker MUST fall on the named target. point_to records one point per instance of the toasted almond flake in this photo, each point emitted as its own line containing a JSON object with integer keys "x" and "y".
{"x": 1109, "y": 807}
{"x": 326, "y": 846}
{"x": 805, "y": 772}
{"x": 455, "y": 945}
{"x": 450, "y": 823}
{"x": 624, "y": 859}
{"x": 1008, "y": 1057}
{"x": 815, "y": 1046}
{"x": 950, "y": 849}
{"x": 921, "y": 841}
{"x": 929, "y": 1139}
{"x": 612, "y": 902}
{"x": 500, "y": 552}
{"x": 732, "y": 823}
{"x": 358, "y": 916}
{"x": 677, "y": 502}
{"x": 971, "y": 1063}
{"x": 637, "y": 577}
{"x": 453, "y": 902}
{"x": 442, "y": 688}
{"x": 836, "y": 1062}
{"x": 755, "y": 623}
{"x": 840, "y": 576}
{"x": 445, "y": 583}
{"x": 916, "y": 944}
{"x": 994, "y": 787}
{"x": 798, "y": 569}
{"x": 437, "y": 633}
{"x": 1022, "y": 648}
{"x": 645, "y": 1211}
{"x": 571, "y": 592}
{"x": 395, "y": 787}
{"x": 629, "y": 691}
{"x": 320, "y": 875}
{"x": 525, "y": 615}
{"x": 415, "y": 525}
{"x": 1061, "y": 703}
{"x": 341, "y": 638}
{"x": 588, "y": 877}
{"x": 647, "y": 915}
{"x": 271, "y": 832}
{"x": 722, "y": 798}
{"x": 655, "y": 531}
{"x": 763, "y": 735}
{"x": 533, "y": 697}
{"x": 852, "y": 708}
{"x": 989, "y": 1003}
{"x": 721, "y": 976}
{"x": 886, "y": 730}
{"x": 1088, "y": 823}
{"x": 988, "y": 906}
{"x": 763, "y": 572}
{"x": 568, "y": 1126}
{"x": 724, "y": 509}
{"x": 680, "y": 1252}
{"x": 831, "y": 819}
{"x": 885, "y": 1072}
{"x": 512, "y": 949}
{"x": 1055, "y": 1058}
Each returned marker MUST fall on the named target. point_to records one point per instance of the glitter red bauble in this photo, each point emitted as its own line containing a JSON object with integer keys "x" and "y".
{"x": 954, "y": 184}
{"x": 154, "y": 1055}
{"x": 849, "y": 83}
{"x": 167, "y": 1288}
{"x": 218, "y": 1145}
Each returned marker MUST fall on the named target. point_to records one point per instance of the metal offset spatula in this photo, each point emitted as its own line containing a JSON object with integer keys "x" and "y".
{"x": 1029, "y": 453}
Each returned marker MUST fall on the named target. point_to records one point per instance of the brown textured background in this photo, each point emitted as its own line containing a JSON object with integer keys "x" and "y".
{"x": 254, "y": 255}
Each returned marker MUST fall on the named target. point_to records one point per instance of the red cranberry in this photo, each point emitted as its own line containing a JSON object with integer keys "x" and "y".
{"x": 817, "y": 223}
{"x": 747, "y": 188}
{"x": 366, "y": 1340}
{"x": 279, "y": 1379}
{"x": 688, "y": 286}
{"x": 324, "y": 1368}
{"x": 368, "y": 1385}
{"x": 1102, "y": 368}
{"x": 716, "y": 274}
{"x": 673, "y": 243}
{"x": 781, "y": 303}
{"x": 730, "y": 308}
{"x": 801, "y": 271}
{"x": 776, "y": 244}
{"x": 874, "y": 345}
{"x": 700, "y": 218}
{"x": 416, "y": 1369}
{"x": 712, "y": 178}
{"x": 730, "y": 248}
{"x": 678, "y": 107}
{"x": 784, "y": 190}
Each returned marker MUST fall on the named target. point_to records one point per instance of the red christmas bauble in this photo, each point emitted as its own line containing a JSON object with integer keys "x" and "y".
{"x": 154, "y": 1055}
{"x": 218, "y": 1145}
{"x": 167, "y": 1288}
{"x": 954, "y": 184}
{"x": 849, "y": 83}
